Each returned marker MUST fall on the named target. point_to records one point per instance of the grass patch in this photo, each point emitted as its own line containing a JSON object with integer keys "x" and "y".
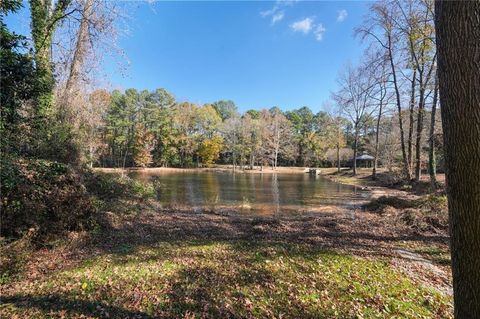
{"x": 226, "y": 279}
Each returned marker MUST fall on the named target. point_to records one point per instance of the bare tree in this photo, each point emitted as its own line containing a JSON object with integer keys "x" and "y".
{"x": 380, "y": 26}
{"x": 417, "y": 24}
{"x": 81, "y": 42}
{"x": 93, "y": 126}
{"x": 354, "y": 98}
{"x": 277, "y": 133}
{"x": 231, "y": 130}
{"x": 377, "y": 65}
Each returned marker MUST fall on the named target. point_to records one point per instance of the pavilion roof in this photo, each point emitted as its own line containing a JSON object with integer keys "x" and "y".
{"x": 365, "y": 157}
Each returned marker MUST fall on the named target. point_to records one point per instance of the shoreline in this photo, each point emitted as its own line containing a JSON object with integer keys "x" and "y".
{"x": 226, "y": 168}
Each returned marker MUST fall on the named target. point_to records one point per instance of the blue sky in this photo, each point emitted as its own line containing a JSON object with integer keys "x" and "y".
{"x": 257, "y": 53}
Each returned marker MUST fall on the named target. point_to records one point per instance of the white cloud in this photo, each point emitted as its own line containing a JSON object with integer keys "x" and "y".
{"x": 278, "y": 17}
{"x": 304, "y": 25}
{"x": 277, "y": 12}
{"x": 267, "y": 13}
{"x": 319, "y": 31}
{"x": 342, "y": 15}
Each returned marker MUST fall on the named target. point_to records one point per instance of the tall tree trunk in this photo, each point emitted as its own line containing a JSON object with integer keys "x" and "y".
{"x": 420, "y": 116}
{"x": 458, "y": 45}
{"x": 78, "y": 60}
{"x": 277, "y": 143}
{"x": 377, "y": 132}
{"x": 300, "y": 157}
{"x": 44, "y": 20}
{"x": 411, "y": 111}
{"x": 355, "y": 149}
{"x": 432, "y": 163}
{"x": 91, "y": 152}
{"x": 276, "y": 157}
{"x": 406, "y": 166}
{"x": 338, "y": 158}
{"x": 42, "y": 41}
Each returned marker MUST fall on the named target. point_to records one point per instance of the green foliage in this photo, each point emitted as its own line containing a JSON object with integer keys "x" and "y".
{"x": 144, "y": 128}
{"x": 108, "y": 187}
{"x": 7, "y": 6}
{"x": 28, "y": 125}
{"x": 17, "y": 81}
{"x": 113, "y": 187}
{"x": 225, "y": 108}
{"x": 434, "y": 202}
{"x": 139, "y": 128}
{"x": 45, "y": 196}
{"x": 315, "y": 134}
{"x": 45, "y": 17}
{"x": 151, "y": 129}
{"x": 254, "y": 114}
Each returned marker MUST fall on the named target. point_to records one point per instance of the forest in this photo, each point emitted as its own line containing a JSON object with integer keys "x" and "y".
{"x": 149, "y": 129}
{"x": 68, "y": 228}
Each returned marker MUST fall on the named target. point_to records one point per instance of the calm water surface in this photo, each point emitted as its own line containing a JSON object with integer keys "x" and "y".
{"x": 264, "y": 194}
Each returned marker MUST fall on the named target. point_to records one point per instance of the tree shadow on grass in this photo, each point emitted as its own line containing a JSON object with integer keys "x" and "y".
{"x": 212, "y": 286}
{"x": 213, "y": 293}
{"x": 365, "y": 237}
{"x": 219, "y": 283}
{"x": 194, "y": 291}
{"x": 59, "y": 303}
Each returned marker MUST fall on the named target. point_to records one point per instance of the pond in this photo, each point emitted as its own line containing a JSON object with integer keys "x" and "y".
{"x": 251, "y": 193}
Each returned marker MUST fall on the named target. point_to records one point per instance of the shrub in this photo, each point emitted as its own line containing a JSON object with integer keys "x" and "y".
{"x": 45, "y": 196}
{"x": 105, "y": 186}
{"x": 425, "y": 213}
{"x": 378, "y": 205}
{"x": 110, "y": 187}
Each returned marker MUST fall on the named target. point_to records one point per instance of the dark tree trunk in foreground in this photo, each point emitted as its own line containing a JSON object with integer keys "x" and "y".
{"x": 457, "y": 25}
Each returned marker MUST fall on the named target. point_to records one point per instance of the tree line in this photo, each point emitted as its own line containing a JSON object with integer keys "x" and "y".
{"x": 150, "y": 128}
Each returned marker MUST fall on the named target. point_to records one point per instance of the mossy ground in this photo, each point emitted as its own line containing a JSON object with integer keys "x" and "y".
{"x": 226, "y": 279}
